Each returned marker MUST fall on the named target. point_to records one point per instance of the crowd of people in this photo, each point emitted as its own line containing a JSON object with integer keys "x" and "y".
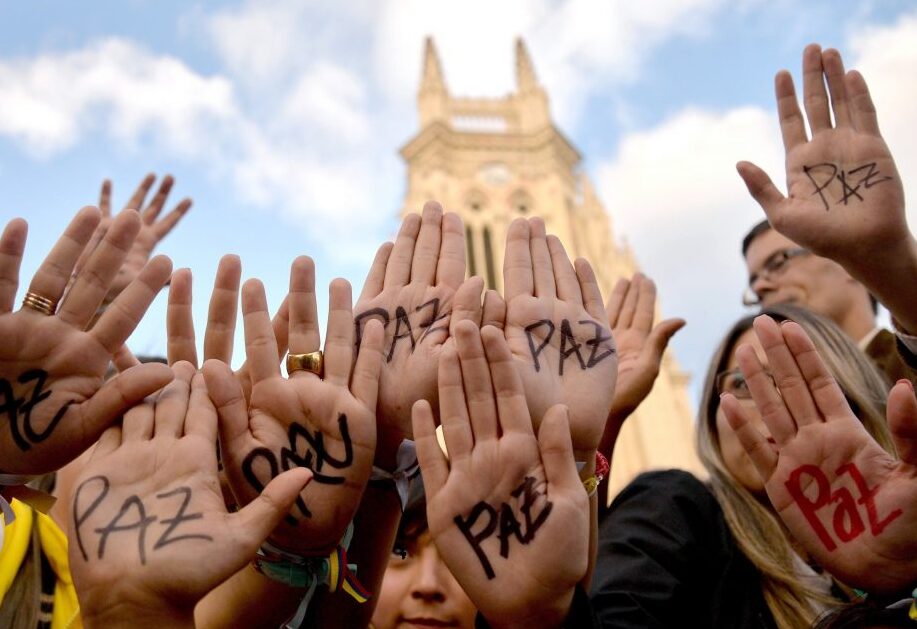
{"x": 438, "y": 460}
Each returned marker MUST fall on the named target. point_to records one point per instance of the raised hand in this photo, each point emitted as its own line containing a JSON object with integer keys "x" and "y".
{"x": 152, "y": 228}
{"x": 507, "y": 512}
{"x": 845, "y": 198}
{"x": 556, "y": 327}
{"x": 849, "y": 502}
{"x": 150, "y": 533}
{"x": 53, "y": 404}
{"x": 412, "y": 288}
{"x": 326, "y": 424}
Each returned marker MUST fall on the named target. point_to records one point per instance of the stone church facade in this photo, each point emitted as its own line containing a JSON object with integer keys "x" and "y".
{"x": 495, "y": 159}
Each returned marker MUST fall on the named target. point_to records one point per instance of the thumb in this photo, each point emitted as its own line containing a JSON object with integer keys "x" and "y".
{"x": 901, "y": 411}
{"x": 661, "y": 335}
{"x": 254, "y": 522}
{"x": 229, "y": 400}
{"x": 467, "y": 302}
{"x": 556, "y": 449}
{"x": 760, "y": 186}
{"x": 119, "y": 394}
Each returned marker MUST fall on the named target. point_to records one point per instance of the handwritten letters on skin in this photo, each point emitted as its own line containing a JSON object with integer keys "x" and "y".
{"x": 853, "y": 182}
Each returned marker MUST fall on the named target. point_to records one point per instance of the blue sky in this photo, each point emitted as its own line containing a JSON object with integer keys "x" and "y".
{"x": 282, "y": 120}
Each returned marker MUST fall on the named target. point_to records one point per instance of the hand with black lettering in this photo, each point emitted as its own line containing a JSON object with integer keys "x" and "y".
{"x": 149, "y": 533}
{"x": 221, "y": 320}
{"x": 412, "y": 289}
{"x": 53, "y": 403}
{"x": 850, "y": 503}
{"x": 507, "y": 511}
{"x": 845, "y": 198}
{"x": 631, "y": 310}
{"x": 152, "y": 228}
{"x": 326, "y": 423}
{"x": 556, "y": 327}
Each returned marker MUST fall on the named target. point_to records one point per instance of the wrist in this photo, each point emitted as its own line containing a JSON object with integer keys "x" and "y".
{"x": 550, "y": 616}
{"x": 110, "y": 609}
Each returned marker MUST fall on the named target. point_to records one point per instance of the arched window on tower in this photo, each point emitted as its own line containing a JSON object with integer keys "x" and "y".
{"x": 522, "y": 203}
{"x": 469, "y": 244}
{"x": 489, "y": 259}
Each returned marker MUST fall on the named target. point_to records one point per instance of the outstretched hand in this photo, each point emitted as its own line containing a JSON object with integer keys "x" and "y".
{"x": 507, "y": 511}
{"x": 849, "y": 502}
{"x": 52, "y": 397}
{"x": 150, "y": 532}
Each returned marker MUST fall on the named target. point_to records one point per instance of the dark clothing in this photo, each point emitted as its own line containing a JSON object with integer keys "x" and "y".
{"x": 892, "y": 358}
{"x": 579, "y": 617}
{"x": 666, "y": 558}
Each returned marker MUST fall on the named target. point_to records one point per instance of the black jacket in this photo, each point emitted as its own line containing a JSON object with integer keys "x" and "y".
{"x": 666, "y": 558}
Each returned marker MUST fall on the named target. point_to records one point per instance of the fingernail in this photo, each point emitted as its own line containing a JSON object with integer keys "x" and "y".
{"x": 908, "y": 383}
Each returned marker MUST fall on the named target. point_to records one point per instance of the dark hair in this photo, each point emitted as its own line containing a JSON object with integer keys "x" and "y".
{"x": 867, "y": 613}
{"x": 764, "y": 226}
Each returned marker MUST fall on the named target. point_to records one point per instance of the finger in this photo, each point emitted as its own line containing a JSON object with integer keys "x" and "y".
{"x": 12, "y": 247}
{"x": 201, "y": 418}
{"x": 479, "y": 392}
{"x": 453, "y": 413}
{"x": 589, "y": 289}
{"x": 95, "y": 278}
{"x": 161, "y": 228}
{"x": 776, "y": 417}
{"x": 494, "y": 311}
{"x": 159, "y": 199}
{"x": 339, "y": 344}
{"x": 862, "y": 108}
{"x": 760, "y": 187}
{"x": 759, "y": 449}
{"x": 54, "y": 273}
{"x": 659, "y": 338}
{"x": 137, "y": 199}
{"x": 221, "y": 314}
{"x": 834, "y": 73}
{"x": 124, "y": 359}
{"x": 172, "y": 403}
{"x": 568, "y": 284}
{"x": 426, "y": 251}
{"x": 227, "y": 397}
{"x": 645, "y": 310}
{"x": 450, "y": 269}
{"x": 108, "y": 442}
{"x": 281, "y": 325}
{"x": 398, "y": 269}
{"x": 792, "y": 126}
{"x": 256, "y": 520}
{"x": 796, "y": 391}
{"x": 365, "y": 382}
{"x": 629, "y": 306}
{"x": 304, "y": 334}
{"x": 105, "y": 198}
{"x": 507, "y": 385}
{"x": 375, "y": 279}
{"x": 122, "y": 316}
{"x": 466, "y": 305}
{"x": 260, "y": 343}
{"x": 432, "y": 460}
{"x": 556, "y": 449}
{"x": 815, "y": 96}
{"x": 616, "y": 301}
{"x": 138, "y": 423}
{"x": 902, "y": 420}
{"x": 542, "y": 264}
{"x": 518, "y": 278}
{"x": 820, "y": 386}
{"x": 181, "y": 344}
{"x": 119, "y": 394}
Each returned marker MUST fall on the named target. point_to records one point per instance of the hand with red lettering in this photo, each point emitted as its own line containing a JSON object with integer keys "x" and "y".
{"x": 849, "y": 502}
{"x": 507, "y": 511}
{"x": 53, "y": 403}
{"x": 151, "y": 229}
{"x": 413, "y": 289}
{"x": 631, "y": 310}
{"x": 221, "y": 320}
{"x": 556, "y": 328}
{"x": 845, "y": 197}
{"x": 150, "y": 535}
{"x": 325, "y": 423}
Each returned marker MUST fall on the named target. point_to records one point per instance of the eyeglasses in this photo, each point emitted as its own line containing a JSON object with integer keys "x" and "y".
{"x": 734, "y": 382}
{"x": 773, "y": 267}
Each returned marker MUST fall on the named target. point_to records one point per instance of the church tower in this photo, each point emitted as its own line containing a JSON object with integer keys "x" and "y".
{"x": 492, "y": 160}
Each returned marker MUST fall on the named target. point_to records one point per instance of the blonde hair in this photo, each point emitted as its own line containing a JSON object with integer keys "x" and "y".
{"x": 757, "y": 530}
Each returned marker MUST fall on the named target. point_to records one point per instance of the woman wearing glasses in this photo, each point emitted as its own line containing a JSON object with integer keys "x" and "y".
{"x": 674, "y": 550}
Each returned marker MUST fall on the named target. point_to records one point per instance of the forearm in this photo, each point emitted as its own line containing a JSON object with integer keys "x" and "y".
{"x": 248, "y": 599}
{"x": 114, "y": 612}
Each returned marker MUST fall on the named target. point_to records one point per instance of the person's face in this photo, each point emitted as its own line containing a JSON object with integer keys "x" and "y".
{"x": 734, "y": 456}
{"x": 419, "y": 591}
{"x": 807, "y": 280}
